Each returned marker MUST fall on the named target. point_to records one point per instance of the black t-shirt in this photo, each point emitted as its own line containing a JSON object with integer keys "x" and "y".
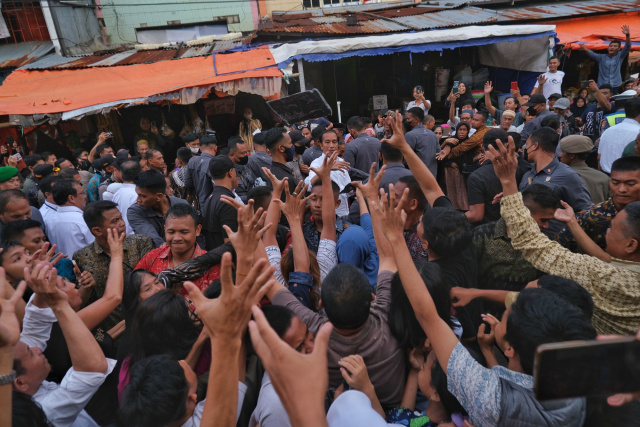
{"x": 281, "y": 171}
{"x": 218, "y": 214}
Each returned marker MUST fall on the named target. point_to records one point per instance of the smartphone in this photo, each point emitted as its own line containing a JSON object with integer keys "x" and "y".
{"x": 514, "y": 85}
{"x": 587, "y": 368}
{"x": 456, "y": 84}
{"x": 584, "y": 83}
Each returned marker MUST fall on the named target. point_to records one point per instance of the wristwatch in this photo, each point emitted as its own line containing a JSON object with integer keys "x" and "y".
{"x": 8, "y": 378}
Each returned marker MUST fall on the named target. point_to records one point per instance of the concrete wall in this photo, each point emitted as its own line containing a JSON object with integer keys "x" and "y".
{"x": 121, "y": 21}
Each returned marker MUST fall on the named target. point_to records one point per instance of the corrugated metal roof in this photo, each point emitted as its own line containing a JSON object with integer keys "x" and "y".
{"x": 19, "y": 54}
{"x": 131, "y": 57}
{"x": 423, "y": 16}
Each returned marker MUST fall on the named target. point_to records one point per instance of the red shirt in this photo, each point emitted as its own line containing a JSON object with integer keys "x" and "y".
{"x": 160, "y": 259}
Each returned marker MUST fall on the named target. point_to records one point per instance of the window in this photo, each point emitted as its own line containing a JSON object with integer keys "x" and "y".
{"x": 25, "y": 22}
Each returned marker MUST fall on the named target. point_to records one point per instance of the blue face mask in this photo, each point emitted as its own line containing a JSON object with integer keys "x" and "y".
{"x": 289, "y": 152}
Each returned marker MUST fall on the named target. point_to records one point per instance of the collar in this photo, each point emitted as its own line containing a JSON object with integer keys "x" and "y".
{"x": 523, "y": 380}
{"x": 166, "y": 251}
{"x": 127, "y": 185}
{"x": 550, "y": 168}
{"x": 51, "y": 205}
{"x": 63, "y": 209}
{"x": 282, "y": 166}
{"x": 627, "y": 265}
{"x": 364, "y": 134}
{"x": 500, "y": 230}
{"x": 630, "y": 121}
{"x": 261, "y": 154}
{"x": 395, "y": 165}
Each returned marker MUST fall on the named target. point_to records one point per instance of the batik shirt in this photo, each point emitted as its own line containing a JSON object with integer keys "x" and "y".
{"x": 595, "y": 221}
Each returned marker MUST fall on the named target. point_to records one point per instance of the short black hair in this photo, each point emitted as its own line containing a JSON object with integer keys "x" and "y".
{"x": 626, "y": 164}
{"x": 546, "y": 138}
{"x": 490, "y": 137}
{"x": 183, "y": 210}
{"x": 32, "y": 159}
{"x": 346, "y": 296}
{"x": 633, "y": 219}
{"x": 328, "y": 131}
{"x": 46, "y": 154}
{"x": 258, "y": 138}
{"x": 261, "y": 196}
{"x": 78, "y": 152}
{"x": 273, "y": 137}
{"x": 130, "y": 169}
{"x": 234, "y": 141}
{"x": 415, "y": 192}
{"x": 356, "y": 123}
{"x": 335, "y": 187}
{"x": 208, "y": 140}
{"x": 569, "y": 291}
{"x": 605, "y": 86}
{"x": 7, "y": 196}
{"x": 447, "y": 231}
{"x": 27, "y": 412}
{"x": 149, "y": 154}
{"x": 59, "y": 161}
{"x": 184, "y": 154}
{"x": 15, "y": 229}
{"x": 47, "y": 183}
{"x": 616, "y": 41}
{"x": 552, "y": 121}
{"x": 389, "y": 153}
{"x": 416, "y": 112}
{"x": 63, "y": 189}
{"x": 539, "y": 317}
{"x": 156, "y": 382}
{"x": 279, "y": 318}
{"x": 93, "y": 214}
{"x": 632, "y": 108}
{"x": 100, "y": 150}
{"x": 484, "y": 113}
{"x": 67, "y": 173}
{"x": 554, "y": 57}
{"x": 541, "y": 195}
{"x": 151, "y": 180}
{"x": 517, "y": 139}
{"x": 317, "y": 132}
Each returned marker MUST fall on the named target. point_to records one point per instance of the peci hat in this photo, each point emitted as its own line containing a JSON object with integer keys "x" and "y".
{"x": 509, "y": 113}
{"x": 555, "y": 96}
{"x": 574, "y": 144}
{"x": 43, "y": 170}
{"x": 298, "y": 138}
{"x": 8, "y": 172}
{"x": 220, "y": 165}
{"x": 562, "y": 104}
{"x": 536, "y": 99}
{"x": 103, "y": 162}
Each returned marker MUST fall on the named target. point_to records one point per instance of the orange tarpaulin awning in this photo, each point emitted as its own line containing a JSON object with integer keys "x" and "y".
{"x": 597, "y": 31}
{"x": 27, "y": 92}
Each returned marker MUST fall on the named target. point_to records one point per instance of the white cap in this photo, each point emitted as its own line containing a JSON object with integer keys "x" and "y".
{"x": 627, "y": 94}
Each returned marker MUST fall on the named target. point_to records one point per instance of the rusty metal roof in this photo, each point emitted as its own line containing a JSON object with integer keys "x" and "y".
{"x": 431, "y": 15}
{"x": 19, "y": 54}
{"x": 132, "y": 57}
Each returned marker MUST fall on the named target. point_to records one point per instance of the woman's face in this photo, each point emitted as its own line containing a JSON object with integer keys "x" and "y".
{"x": 462, "y": 132}
{"x": 580, "y": 102}
{"x": 438, "y": 131}
{"x": 424, "y": 377}
{"x": 583, "y": 93}
{"x": 462, "y": 88}
{"x": 145, "y": 124}
{"x": 149, "y": 286}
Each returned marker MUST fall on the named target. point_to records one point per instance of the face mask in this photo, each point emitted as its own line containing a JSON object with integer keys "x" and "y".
{"x": 300, "y": 149}
{"x": 243, "y": 160}
{"x": 84, "y": 165}
{"x": 194, "y": 150}
{"x": 289, "y": 152}
{"x": 248, "y": 116}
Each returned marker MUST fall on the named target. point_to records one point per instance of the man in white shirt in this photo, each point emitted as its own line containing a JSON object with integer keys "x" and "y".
{"x": 68, "y": 229}
{"x": 551, "y": 81}
{"x": 49, "y": 207}
{"x": 63, "y": 403}
{"x": 329, "y": 139}
{"x": 126, "y": 195}
{"x": 614, "y": 140}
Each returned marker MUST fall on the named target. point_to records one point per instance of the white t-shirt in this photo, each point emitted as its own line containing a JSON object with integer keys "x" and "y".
{"x": 553, "y": 84}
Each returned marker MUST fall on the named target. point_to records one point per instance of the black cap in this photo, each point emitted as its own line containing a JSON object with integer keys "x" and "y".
{"x": 103, "y": 162}
{"x": 298, "y": 138}
{"x": 536, "y": 99}
{"x": 219, "y": 166}
{"x": 555, "y": 96}
{"x": 43, "y": 170}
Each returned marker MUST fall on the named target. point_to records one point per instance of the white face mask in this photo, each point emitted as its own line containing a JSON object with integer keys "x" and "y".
{"x": 194, "y": 150}
{"x": 248, "y": 116}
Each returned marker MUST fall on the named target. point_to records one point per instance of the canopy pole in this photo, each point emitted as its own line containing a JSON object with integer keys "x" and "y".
{"x": 301, "y": 72}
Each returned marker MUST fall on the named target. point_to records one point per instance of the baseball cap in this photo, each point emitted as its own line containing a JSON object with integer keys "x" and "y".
{"x": 555, "y": 96}
{"x": 43, "y": 170}
{"x": 562, "y": 103}
{"x": 536, "y": 99}
{"x": 298, "y": 138}
{"x": 103, "y": 162}
{"x": 220, "y": 165}
{"x": 573, "y": 144}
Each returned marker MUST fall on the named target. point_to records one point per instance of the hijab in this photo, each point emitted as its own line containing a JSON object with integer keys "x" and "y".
{"x": 463, "y": 124}
{"x": 577, "y": 111}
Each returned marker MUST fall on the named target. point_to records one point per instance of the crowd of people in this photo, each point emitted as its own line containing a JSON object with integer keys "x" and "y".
{"x": 386, "y": 271}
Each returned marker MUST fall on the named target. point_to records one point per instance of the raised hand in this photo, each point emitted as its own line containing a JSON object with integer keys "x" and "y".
{"x": 227, "y": 316}
{"x": 251, "y": 227}
{"x": 565, "y": 214}
{"x": 277, "y": 184}
{"x": 301, "y": 380}
{"x": 9, "y": 324}
{"x": 397, "y": 139}
{"x": 295, "y": 204}
{"x": 103, "y": 137}
{"x": 47, "y": 255}
{"x": 43, "y": 279}
{"x": 392, "y": 217}
{"x": 328, "y": 164}
{"x": 542, "y": 79}
{"x": 443, "y": 153}
{"x": 115, "y": 242}
{"x": 504, "y": 161}
{"x": 371, "y": 188}
{"x": 487, "y": 340}
{"x": 625, "y": 30}
{"x": 488, "y": 88}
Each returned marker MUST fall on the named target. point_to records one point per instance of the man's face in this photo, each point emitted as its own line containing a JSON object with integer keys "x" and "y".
{"x": 157, "y": 161}
{"x": 16, "y": 209}
{"x": 553, "y": 65}
{"x": 306, "y": 133}
{"x": 430, "y": 124}
{"x": 142, "y": 149}
{"x": 112, "y": 219}
{"x": 146, "y": 198}
{"x": 526, "y": 98}
{"x": 341, "y": 149}
{"x": 299, "y": 337}
{"x": 33, "y": 239}
{"x": 617, "y": 237}
{"x": 107, "y": 151}
{"x": 11, "y": 184}
{"x": 411, "y": 119}
{"x": 625, "y": 187}
{"x": 329, "y": 143}
{"x": 40, "y": 162}
{"x": 477, "y": 122}
{"x": 614, "y": 48}
{"x": 16, "y": 259}
{"x": 242, "y": 151}
{"x": 84, "y": 156}
{"x": 606, "y": 93}
{"x": 510, "y": 104}
{"x": 36, "y": 365}
{"x": 168, "y": 190}
{"x": 149, "y": 286}
{"x": 181, "y": 234}
{"x": 560, "y": 111}
{"x": 315, "y": 202}
{"x": 465, "y": 117}
{"x": 551, "y": 102}
{"x": 66, "y": 164}
{"x": 145, "y": 125}
{"x": 506, "y": 122}
{"x": 52, "y": 159}
{"x": 193, "y": 144}
{"x": 565, "y": 158}
{"x": 542, "y": 216}
{"x": 80, "y": 199}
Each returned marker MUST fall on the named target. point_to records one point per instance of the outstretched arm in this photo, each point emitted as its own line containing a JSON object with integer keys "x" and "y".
{"x": 583, "y": 240}
{"x": 488, "y": 88}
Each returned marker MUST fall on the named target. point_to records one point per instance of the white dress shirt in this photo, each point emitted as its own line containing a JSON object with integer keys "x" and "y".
{"x": 614, "y": 140}
{"x": 125, "y": 197}
{"x": 67, "y": 229}
{"x": 341, "y": 178}
{"x": 111, "y": 190}
{"x": 62, "y": 403}
{"x": 47, "y": 209}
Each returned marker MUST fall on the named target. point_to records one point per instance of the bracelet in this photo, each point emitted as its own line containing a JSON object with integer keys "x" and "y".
{"x": 8, "y": 378}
